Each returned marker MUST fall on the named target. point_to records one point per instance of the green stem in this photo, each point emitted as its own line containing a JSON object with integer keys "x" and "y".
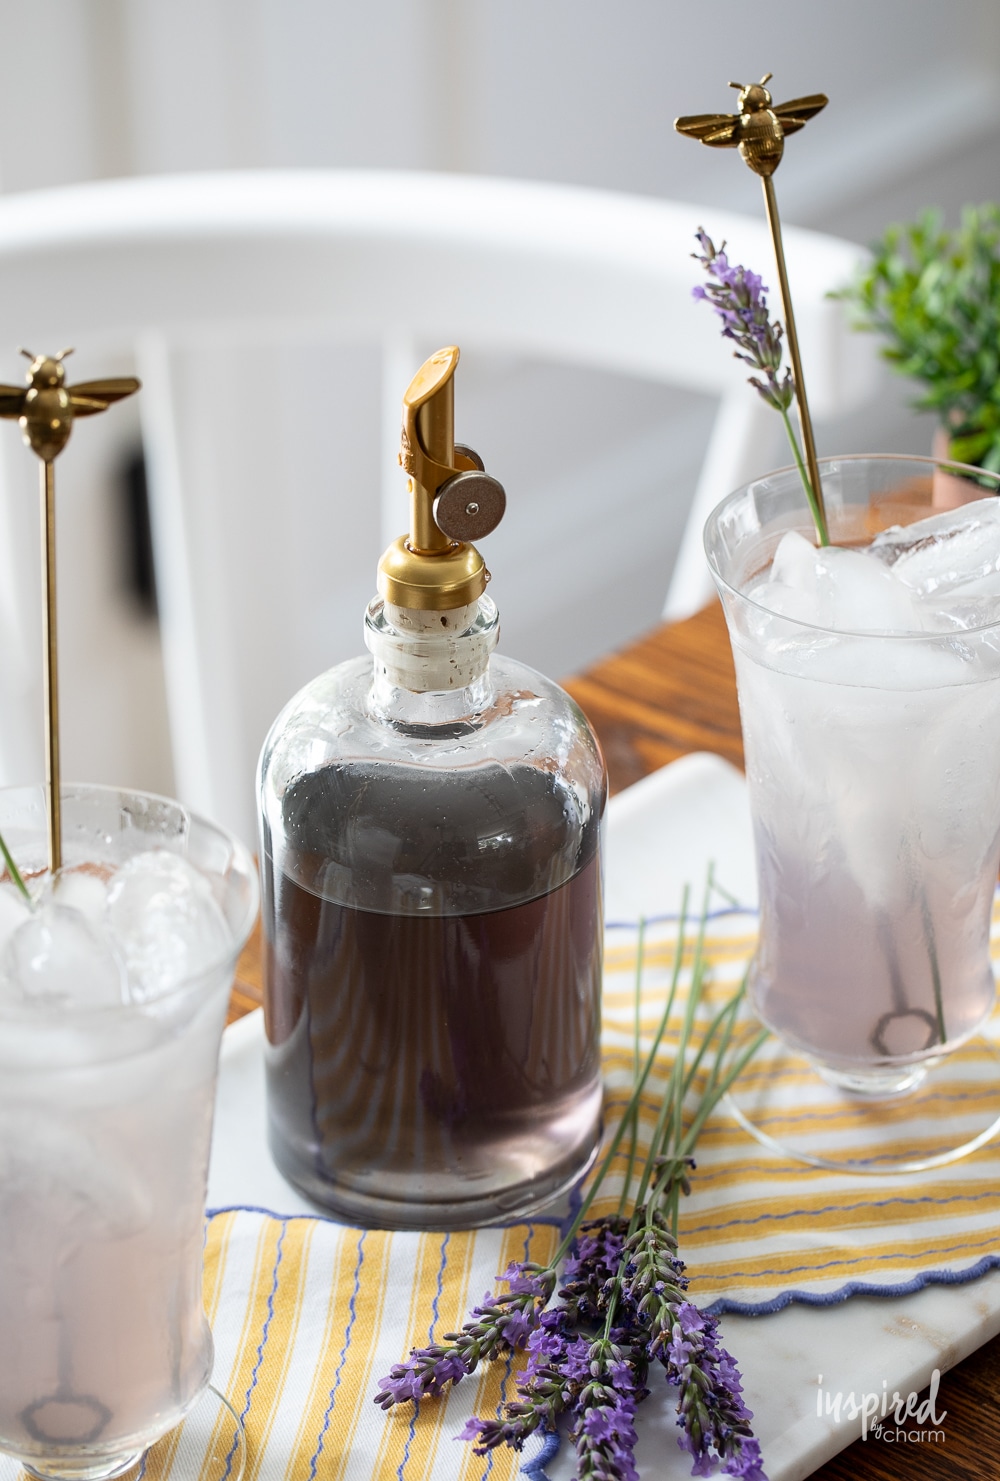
{"x": 932, "y": 955}
{"x": 13, "y": 870}
{"x": 678, "y": 1078}
{"x": 655, "y": 1141}
{"x": 635, "y": 1099}
{"x": 609, "y": 1319}
{"x": 636, "y": 1052}
{"x": 671, "y": 1107}
{"x": 710, "y": 1101}
{"x": 732, "y": 1007}
{"x": 666, "y": 1103}
{"x": 669, "y": 1139}
{"x": 706, "y": 1106}
{"x": 821, "y": 531}
{"x": 725, "y": 894}
{"x": 728, "y": 1012}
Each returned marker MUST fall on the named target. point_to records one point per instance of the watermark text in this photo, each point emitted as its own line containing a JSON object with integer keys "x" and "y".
{"x": 877, "y": 1408}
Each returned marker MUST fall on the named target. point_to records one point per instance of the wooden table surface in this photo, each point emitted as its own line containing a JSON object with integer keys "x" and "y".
{"x": 672, "y": 692}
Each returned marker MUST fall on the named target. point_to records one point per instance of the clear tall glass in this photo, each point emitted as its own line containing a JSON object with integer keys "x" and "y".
{"x": 873, "y": 766}
{"x": 105, "y": 1125}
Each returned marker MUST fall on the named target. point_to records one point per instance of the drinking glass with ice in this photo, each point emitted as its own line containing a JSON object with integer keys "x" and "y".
{"x": 114, "y": 983}
{"x": 869, "y": 688}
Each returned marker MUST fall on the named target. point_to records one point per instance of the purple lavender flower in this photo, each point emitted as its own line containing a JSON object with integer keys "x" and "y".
{"x": 714, "y": 1421}
{"x": 426, "y": 1372}
{"x": 503, "y": 1322}
{"x": 737, "y": 296}
{"x": 487, "y": 1434}
{"x": 592, "y": 1262}
{"x": 558, "y": 1366}
{"x": 592, "y": 1380}
{"x": 654, "y": 1276}
{"x": 604, "y": 1429}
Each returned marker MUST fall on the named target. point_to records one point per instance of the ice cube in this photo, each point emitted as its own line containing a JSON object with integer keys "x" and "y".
{"x": 84, "y": 890}
{"x": 14, "y": 911}
{"x": 836, "y": 588}
{"x": 56, "y": 1170}
{"x": 974, "y": 605}
{"x": 945, "y": 551}
{"x": 57, "y": 959}
{"x": 165, "y": 922}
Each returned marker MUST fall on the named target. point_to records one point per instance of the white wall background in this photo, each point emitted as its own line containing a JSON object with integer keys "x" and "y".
{"x": 573, "y": 90}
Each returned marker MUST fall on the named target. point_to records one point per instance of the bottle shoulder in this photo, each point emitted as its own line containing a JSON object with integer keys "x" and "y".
{"x": 454, "y": 818}
{"x": 528, "y": 718}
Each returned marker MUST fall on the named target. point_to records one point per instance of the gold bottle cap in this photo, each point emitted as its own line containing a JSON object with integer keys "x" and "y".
{"x": 434, "y": 567}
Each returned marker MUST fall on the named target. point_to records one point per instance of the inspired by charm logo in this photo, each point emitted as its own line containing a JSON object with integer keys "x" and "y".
{"x": 885, "y": 1417}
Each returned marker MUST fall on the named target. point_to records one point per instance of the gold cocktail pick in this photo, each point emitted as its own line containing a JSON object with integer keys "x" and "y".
{"x": 46, "y": 409}
{"x": 759, "y": 130}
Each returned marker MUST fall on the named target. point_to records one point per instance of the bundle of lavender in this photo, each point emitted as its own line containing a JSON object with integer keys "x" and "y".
{"x": 622, "y": 1308}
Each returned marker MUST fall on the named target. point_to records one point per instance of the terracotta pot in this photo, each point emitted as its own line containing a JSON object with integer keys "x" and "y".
{"x": 949, "y": 490}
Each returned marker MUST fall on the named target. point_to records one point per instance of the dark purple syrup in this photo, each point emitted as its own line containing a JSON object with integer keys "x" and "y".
{"x": 430, "y": 1066}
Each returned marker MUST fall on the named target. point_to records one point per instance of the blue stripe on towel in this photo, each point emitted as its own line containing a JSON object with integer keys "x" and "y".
{"x": 510, "y": 1358}
{"x": 430, "y": 1338}
{"x": 348, "y": 1334}
{"x": 258, "y": 1360}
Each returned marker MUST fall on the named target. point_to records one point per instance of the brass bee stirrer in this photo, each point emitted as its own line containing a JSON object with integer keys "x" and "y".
{"x": 45, "y": 409}
{"x": 759, "y": 130}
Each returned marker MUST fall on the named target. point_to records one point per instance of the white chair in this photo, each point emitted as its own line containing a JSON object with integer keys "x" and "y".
{"x": 186, "y": 270}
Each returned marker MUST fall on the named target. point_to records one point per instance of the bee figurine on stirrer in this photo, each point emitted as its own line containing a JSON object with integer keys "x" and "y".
{"x": 46, "y": 409}
{"x": 759, "y": 131}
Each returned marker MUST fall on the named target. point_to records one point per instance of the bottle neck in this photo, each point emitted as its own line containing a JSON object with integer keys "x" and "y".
{"x": 396, "y": 705}
{"x": 431, "y": 668}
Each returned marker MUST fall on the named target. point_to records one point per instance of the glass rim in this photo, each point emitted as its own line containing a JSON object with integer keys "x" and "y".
{"x": 948, "y": 465}
{"x": 242, "y": 858}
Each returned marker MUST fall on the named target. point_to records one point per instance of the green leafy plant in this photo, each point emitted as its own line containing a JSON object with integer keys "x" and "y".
{"x": 935, "y": 297}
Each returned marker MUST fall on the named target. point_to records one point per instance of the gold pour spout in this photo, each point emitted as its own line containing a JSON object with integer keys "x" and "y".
{"x": 452, "y": 501}
{"x": 759, "y": 131}
{"x": 46, "y": 410}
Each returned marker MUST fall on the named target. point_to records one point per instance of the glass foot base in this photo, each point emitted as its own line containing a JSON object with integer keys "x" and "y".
{"x": 923, "y": 1117}
{"x": 210, "y": 1445}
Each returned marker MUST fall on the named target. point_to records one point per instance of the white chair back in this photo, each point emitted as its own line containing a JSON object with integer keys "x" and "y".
{"x": 265, "y": 525}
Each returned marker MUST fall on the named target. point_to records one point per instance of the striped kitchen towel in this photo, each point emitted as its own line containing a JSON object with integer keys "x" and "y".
{"x": 308, "y": 1315}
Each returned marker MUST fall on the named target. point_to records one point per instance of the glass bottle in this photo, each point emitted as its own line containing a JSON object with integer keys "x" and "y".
{"x": 431, "y": 865}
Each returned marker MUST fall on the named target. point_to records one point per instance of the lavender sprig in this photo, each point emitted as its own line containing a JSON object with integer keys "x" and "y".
{"x": 714, "y": 1421}
{"x": 737, "y": 296}
{"x": 502, "y": 1324}
{"x": 604, "y": 1432}
{"x": 623, "y": 1302}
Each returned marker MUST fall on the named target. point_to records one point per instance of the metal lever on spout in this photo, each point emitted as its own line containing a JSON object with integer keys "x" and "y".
{"x": 453, "y": 500}
{"x": 450, "y": 482}
{"x": 470, "y": 505}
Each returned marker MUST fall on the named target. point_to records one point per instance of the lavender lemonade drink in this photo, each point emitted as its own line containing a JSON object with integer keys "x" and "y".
{"x": 113, "y": 993}
{"x": 869, "y": 687}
